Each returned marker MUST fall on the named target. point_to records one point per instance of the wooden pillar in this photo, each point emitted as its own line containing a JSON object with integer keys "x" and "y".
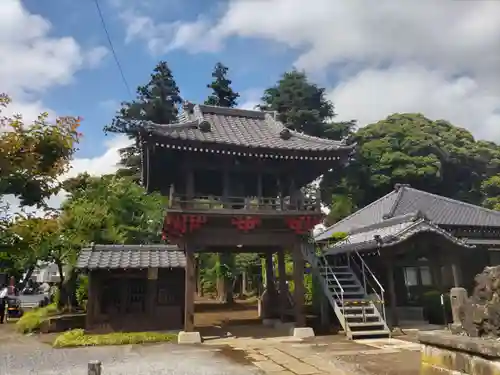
{"x": 457, "y": 276}
{"x": 190, "y": 183}
{"x": 189, "y": 290}
{"x": 259, "y": 186}
{"x": 151, "y": 291}
{"x": 271, "y": 290}
{"x": 299, "y": 291}
{"x": 225, "y": 187}
{"x": 437, "y": 278}
{"x": 282, "y": 283}
{"x": 392, "y": 293}
{"x": 91, "y": 301}
{"x": 244, "y": 283}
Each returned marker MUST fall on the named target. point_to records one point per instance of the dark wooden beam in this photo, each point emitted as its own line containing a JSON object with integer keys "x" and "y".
{"x": 210, "y": 237}
{"x": 190, "y": 290}
{"x": 283, "y": 287}
{"x": 299, "y": 290}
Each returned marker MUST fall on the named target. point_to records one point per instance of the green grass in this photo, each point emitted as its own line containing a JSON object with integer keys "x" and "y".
{"x": 31, "y": 321}
{"x": 77, "y": 337}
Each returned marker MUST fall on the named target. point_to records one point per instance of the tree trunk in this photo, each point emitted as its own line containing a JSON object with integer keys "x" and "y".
{"x": 24, "y": 281}
{"x": 67, "y": 289}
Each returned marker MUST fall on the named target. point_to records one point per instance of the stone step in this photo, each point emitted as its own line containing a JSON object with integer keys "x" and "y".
{"x": 380, "y": 333}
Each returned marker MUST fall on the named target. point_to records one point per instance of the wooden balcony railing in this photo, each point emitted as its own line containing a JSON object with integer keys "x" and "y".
{"x": 267, "y": 204}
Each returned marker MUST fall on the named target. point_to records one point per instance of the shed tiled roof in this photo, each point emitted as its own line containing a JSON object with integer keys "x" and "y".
{"x": 131, "y": 256}
{"x": 404, "y": 200}
{"x": 239, "y": 127}
{"x": 390, "y": 232}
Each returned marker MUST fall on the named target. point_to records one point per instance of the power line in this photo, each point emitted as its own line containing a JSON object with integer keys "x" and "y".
{"x": 115, "y": 56}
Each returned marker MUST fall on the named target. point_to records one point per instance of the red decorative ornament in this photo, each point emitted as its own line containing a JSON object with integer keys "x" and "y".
{"x": 245, "y": 223}
{"x": 177, "y": 225}
{"x": 302, "y": 224}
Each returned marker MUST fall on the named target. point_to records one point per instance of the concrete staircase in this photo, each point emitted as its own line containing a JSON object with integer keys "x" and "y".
{"x": 356, "y": 311}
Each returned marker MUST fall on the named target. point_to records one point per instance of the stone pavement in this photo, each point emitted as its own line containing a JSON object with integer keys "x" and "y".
{"x": 317, "y": 356}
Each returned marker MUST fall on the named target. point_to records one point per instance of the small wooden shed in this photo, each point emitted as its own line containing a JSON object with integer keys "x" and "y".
{"x": 134, "y": 287}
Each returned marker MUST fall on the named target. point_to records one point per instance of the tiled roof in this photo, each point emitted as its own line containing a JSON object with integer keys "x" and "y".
{"x": 238, "y": 127}
{"x": 131, "y": 256}
{"x": 404, "y": 200}
{"x": 390, "y": 232}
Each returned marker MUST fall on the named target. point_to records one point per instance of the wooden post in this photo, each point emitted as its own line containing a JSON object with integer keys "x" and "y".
{"x": 226, "y": 188}
{"x": 189, "y": 290}
{"x": 282, "y": 283}
{"x": 270, "y": 274}
{"x": 244, "y": 283}
{"x": 299, "y": 291}
{"x": 392, "y": 294}
{"x": 454, "y": 261}
{"x": 190, "y": 184}
{"x": 259, "y": 189}
{"x": 91, "y": 296}
{"x": 94, "y": 368}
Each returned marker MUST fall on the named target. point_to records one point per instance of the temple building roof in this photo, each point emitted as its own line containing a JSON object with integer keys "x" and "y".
{"x": 208, "y": 125}
{"x": 389, "y": 233}
{"x": 131, "y": 256}
{"x": 403, "y": 200}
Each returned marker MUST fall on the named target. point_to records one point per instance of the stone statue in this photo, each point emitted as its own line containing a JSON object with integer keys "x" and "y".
{"x": 479, "y": 315}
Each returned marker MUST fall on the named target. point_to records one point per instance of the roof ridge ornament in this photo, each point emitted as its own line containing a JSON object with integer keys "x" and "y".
{"x": 285, "y": 134}
{"x": 204, "y": 126}
{"x": 188, "y": 107}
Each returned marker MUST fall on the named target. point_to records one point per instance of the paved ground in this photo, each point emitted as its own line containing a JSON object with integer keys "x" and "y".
{"x": 235, "y": 343}
{"x": 24, "y": 355}
{"x": 282, "y": 355}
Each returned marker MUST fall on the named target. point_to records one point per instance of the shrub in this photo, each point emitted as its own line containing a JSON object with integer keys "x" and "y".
{"x": 77, "y": 337}
{"x": 31, "y": 321}
{"x": 82, "y": 291}
{"x": 433, "y": 310}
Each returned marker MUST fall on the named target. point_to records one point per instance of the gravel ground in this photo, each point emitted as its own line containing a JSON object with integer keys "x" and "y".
{"x": 26, "y": 356}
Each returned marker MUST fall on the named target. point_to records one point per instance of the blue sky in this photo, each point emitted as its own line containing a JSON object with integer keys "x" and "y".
{"x": 95, "y": 93}
{"x": 373, "y": 58}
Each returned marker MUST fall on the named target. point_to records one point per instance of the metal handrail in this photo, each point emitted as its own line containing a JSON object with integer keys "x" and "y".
{"x": 322, "y": 259}
{"x": 373, "y": 277}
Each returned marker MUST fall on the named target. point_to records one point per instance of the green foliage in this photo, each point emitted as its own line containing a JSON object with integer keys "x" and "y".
{"x": 434, "y": 156}
{"x": 222, "y": 94}
{"x": 32, "y": 320}
{"x": 82, "y": 291}
{"x": 112, "y": 209}
{"x": 156, "y": 101}
{"x": 77, "y": 337}
{"x": 491, "y": 192}
{"x": 301, "y": 105}
{"x": 34, "y": 156}
{"x": 433, "y": 310}
{"x": 342, "y": 206}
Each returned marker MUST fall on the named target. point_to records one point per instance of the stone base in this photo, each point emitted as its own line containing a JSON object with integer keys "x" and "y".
{"x": 285, "y": 326}
{"x": 303, "y": 332}
{"x": 269, "y": 322}
{"x": 189, "y": 338}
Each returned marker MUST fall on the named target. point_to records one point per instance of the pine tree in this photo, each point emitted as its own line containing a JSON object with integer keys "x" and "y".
{"x": 157, "y": 101}
{"x": 222, "y": 95}
{"x": 301, "y": 105}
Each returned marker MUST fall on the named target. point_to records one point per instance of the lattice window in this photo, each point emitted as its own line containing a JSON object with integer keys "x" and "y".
{"x": 136, "y": 296}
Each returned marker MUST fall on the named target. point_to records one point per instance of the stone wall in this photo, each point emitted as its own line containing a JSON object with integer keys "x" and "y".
{"x": 444, "y": 353}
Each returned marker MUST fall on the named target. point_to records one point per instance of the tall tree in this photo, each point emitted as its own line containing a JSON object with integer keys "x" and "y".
{"x": 222, "y": 94}
{"x": 300, "y": 104}
{"x": 408, "y": 148}
{"x": 158, "y": 102}
{"x": 33, "y": 156}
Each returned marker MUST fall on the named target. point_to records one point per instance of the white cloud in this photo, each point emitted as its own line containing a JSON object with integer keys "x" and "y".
{"x": 443, "y": 56}
{"x": 32, "y": 61}
{"x": 372, "y": 94}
